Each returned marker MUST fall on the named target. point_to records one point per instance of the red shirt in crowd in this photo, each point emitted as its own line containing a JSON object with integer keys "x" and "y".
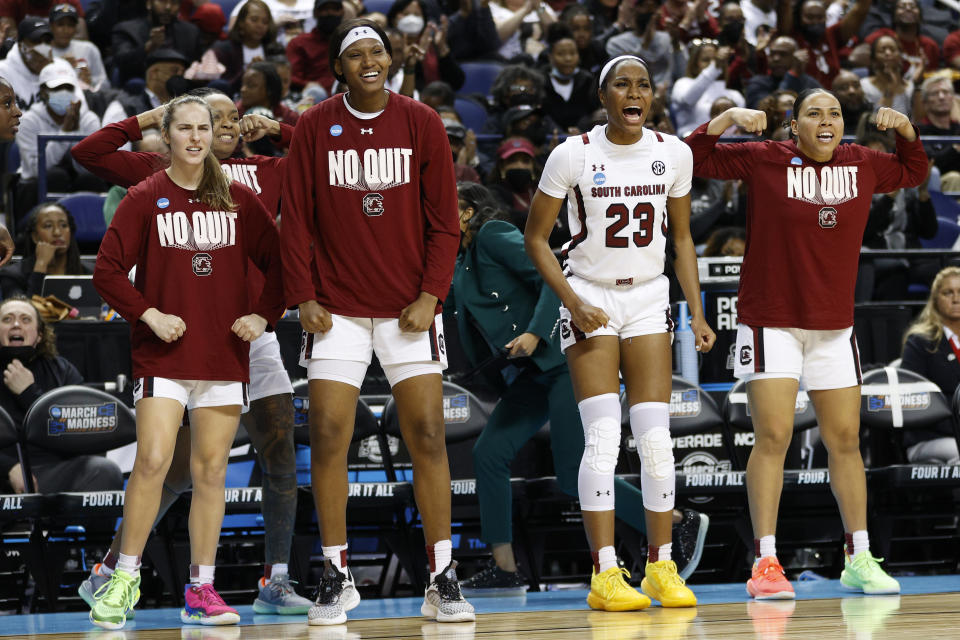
{"x": 191, "y": 262}
{"x": 805, "y": 222}
{"x": 951, "y": 48}
{"x": 824, "y": 61}
{"x": 369, "y": 209}
{"x": 307, "y": 54}
{"x": 925, "y": 43}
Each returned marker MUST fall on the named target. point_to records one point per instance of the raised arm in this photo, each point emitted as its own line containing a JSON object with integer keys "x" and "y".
{"x": 100, "y": 152}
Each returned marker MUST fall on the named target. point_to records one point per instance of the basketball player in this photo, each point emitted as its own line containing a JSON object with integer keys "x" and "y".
{"x": 370, "y": 235}
{"x": 269, "y": 421}
{"x": 191, "y": 232}
{"x": 808, "y": 205}
{"x": 628, "y": 187}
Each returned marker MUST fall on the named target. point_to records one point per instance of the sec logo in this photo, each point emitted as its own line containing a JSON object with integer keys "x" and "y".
{"x": 658, "y": 168}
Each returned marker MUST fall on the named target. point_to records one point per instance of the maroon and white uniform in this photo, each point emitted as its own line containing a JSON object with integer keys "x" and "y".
{"x": 369, "y": 221}
{"x": 100, "y": 153}
{"x": 805, "y": 223}
{"x": 188, "y": 262}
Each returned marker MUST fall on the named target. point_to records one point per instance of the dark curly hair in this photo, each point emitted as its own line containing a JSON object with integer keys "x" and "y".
{"x": 511, "y": 74}
{"x": 485, "y": 205}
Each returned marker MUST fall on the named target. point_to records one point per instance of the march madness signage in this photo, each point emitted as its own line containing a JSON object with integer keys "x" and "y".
{"x": 82, "y": 418}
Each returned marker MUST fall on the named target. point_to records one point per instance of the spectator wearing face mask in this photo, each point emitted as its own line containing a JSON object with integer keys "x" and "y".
{"x": 807, "y": 22}
{"x": 32, "y": 52}
{"x": 569, "y": 90}
{"x": 514, "y": 86}
{"x": 427, "y": 51}
{"x": 307, "y": 48}
{"x": 59, "y": 109}
{"x": 82, "y": 54}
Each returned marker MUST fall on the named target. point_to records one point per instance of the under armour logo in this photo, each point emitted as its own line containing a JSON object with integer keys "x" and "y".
{"x": 600, "y": 169}
{"x": 600, "y": 493}
{"x": 370, "y": 130}
{"x": 667, "y": 495}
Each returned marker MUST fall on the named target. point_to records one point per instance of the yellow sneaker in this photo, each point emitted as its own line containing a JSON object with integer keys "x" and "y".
{"x": 663, "y": 583}
{"x": 609, "y": 591}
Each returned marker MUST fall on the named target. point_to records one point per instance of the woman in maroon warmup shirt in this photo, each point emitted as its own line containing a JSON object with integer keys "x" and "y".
{"x": 808, "y": 205}
{"x": 191, "y": 233}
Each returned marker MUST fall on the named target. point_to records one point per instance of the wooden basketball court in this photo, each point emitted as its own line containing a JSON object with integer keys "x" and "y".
{"x": 916, "y": 616}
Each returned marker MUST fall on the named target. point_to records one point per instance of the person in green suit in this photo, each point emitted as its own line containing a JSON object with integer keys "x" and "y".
{"x": 502, "y": 307}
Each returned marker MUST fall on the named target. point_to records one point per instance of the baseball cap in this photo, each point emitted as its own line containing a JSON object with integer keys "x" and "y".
{"x": 34, "y": 28}
{"x": 517, "y": 113}
{"x": 58, "y": 73}
{"x": 209, "y": 18}
{"x": 166, "y": 55}
{"x": 454, "y": 129}
{"x": 63, "y": 10}
{"x": 511, "y": 146}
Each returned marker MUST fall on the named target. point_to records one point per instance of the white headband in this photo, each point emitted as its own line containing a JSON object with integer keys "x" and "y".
{"x": 358, "y": 34}
{"x": 615, "y": 61}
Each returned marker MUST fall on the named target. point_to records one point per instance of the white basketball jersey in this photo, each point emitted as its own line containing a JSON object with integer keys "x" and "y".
{"x": 617, "y": 201}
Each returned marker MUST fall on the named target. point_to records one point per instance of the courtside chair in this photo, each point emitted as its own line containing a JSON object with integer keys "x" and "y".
{"x": 376, "y": 509}
{"x": 87, "y": 209}
{"x": 479, "y": 77}
{"x": 465, "y": 416}
{"x": 912, "y": 506}
{"x": 70, "y": 421}
{"x": 16, "y": 527}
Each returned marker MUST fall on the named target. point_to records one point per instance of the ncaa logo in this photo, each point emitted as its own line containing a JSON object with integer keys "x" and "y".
{"x": 336, "y": 130}
{"x": 599, "y": 178}
{"x": 746, "y": 355}
{"x": 373, "y": 204}
{"x": 658, "y": 168}
{"x": 163, "y": 203}
{"x": 202, "y": 264}
{"x": 828, "y": 217}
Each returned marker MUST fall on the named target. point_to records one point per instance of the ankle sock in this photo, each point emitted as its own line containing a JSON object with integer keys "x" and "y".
{"x": 857, "y": 542}
{"x": 337, "y": 555}
{"x": 440, "y": 554}
{"x": 604, "y": 558}
{"x": 201, "y": 573}
{"x": 663, "y": 552}
{"x": 765, "y": 546}
{"x": 130, "y": 564}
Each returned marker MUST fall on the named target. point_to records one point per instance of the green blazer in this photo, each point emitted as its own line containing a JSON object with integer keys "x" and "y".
{"x": 495, "y": 282}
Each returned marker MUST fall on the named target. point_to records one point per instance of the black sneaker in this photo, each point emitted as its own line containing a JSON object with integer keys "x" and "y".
{"x": 688, "y": 537}
{"x": 494, "y": 581}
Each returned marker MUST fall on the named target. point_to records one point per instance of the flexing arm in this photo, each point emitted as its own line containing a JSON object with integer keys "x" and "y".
{"x": 100, "y": 152}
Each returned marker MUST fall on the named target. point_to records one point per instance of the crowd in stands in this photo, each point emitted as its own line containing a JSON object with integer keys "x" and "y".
{"x": 76, "y": 67}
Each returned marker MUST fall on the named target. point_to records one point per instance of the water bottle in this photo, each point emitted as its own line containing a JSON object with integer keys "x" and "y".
{"x": 686, "y": 347}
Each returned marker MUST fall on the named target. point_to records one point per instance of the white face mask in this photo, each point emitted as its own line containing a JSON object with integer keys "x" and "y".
{"x": 410, "y": 25}
{"x": 44, "y": 50}
{"x": 59, "y": 101}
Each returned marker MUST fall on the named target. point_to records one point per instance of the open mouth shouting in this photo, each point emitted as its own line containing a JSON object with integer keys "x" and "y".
{"x": 633, "y": 114}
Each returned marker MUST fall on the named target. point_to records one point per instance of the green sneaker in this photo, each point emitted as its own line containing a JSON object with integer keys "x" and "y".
{"x": 113, "y": 599}
{"x": 863, "y": 573}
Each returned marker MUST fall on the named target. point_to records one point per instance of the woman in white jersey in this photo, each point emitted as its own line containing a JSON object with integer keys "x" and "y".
{"x": 626, "y": 186}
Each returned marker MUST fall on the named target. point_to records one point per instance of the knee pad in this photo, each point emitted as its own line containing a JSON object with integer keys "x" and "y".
{"x": 601, "y": 446}
{"x": 656, "y": 453}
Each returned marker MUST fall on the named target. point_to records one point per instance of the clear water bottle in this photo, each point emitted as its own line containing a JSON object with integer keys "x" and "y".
{"x": 685, "y": 347}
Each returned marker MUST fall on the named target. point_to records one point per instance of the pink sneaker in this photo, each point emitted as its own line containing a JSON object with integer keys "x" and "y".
{"x": 203, "y": 605}
{"x": 768, "y": 581}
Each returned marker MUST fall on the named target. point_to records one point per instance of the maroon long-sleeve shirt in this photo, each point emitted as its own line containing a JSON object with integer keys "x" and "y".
{"x": 191, "y": 262}
{"x": 369, "y": 209}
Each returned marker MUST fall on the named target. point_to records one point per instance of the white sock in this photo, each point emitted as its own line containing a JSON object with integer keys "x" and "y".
{"x": 278, "y": 569}
{"x": 861, "y": 542}
{"x": 130, "y": 564}
{"x": 663, "y": 551}
{"x": 606, "y": 558}
{"x": 105, "y": 570}
{"x": 440, "y": 553}
{"x": 768, "y": 546}
{"x": 201, "y": 573}
{"x": 337, "y": 555}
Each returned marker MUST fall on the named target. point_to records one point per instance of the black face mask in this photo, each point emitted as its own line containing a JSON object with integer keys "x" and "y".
{"x": 730, "y": 33}
{"x": 641, "y": 21}
{"x": 326, "y": 24}
{"x": 813, "y": 33}
{"x": 518, "y": 179}
{"x": 24, "y": 354}
{"x": 520, "y": 99}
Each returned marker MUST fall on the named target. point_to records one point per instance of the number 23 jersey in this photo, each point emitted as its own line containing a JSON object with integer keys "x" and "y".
{"x": 617, "y": 201}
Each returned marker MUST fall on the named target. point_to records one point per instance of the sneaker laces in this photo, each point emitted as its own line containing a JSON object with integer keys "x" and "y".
{"x": 208, "y": 595}
{"x": 773, "y": 566}
{"x": 281, "y": 583}
{"x": 116, "y": 592}
{"x": 865, "y": 563}
{"x": 669, "y": 575}
{"x": 330, "y": 587}
{"x": 448, "y": 587}
{"x": 620, "y": 575}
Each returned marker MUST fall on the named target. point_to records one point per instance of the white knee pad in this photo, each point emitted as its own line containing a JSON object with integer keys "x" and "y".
{"x": 601, "y": 420}
{"x": 649, "y": 422}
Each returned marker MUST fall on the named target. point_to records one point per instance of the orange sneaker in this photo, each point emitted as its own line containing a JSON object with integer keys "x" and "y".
{"x": 768, "y": 581}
